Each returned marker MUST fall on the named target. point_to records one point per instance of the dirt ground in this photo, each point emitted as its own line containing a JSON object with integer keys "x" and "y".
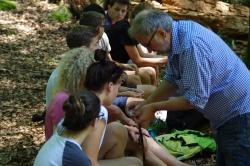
{"x": 30, "y": 45}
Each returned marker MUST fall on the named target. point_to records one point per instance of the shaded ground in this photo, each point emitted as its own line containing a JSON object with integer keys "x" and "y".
{"x": 29, "y": 47}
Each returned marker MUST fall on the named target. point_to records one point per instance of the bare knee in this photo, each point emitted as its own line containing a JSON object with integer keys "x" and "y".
{"x": 148, "y": 75}
{"x": 118, "y": 130}
{"x": 147, "y": 89}
{"x": 133, "y": 161}
{"x": 134, "y": 80}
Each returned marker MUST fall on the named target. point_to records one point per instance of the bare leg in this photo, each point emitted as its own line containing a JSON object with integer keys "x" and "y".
{"x": 114, "y": 143}
{"x": 123, "y": 161}
{"x": 134, "y": 80}
{"x": 163, "y": 154}
{"x": 150, "y": 158}
{"x": 147, "y": 89}
{"x": 148, "y": 75}
{"x": 155, "y": 154}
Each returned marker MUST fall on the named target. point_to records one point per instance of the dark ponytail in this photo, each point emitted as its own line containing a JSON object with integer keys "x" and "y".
{"x": 100, "y": 55}
{"x": 80, "y": 110}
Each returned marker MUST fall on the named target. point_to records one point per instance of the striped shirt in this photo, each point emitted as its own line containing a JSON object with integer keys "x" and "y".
{"x": 208, "y": 73}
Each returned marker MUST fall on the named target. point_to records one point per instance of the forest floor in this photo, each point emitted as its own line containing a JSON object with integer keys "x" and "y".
{"x": 30, "y": 47}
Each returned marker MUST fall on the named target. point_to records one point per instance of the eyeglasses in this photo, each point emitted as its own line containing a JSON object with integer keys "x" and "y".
{"x": 153, "y": 35}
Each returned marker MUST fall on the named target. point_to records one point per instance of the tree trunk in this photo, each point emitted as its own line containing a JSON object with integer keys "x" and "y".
{"x": 227, "y": 19}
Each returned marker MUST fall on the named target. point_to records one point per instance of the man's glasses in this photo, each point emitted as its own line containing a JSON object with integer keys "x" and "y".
{"x": 153, "y": 35}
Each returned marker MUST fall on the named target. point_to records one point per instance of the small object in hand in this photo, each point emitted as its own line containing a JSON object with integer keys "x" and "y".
{"x": 130, "y": 113}
{"x": 141, "y": 143}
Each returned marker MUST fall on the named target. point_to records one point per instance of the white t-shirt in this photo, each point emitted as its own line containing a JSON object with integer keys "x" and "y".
{"x": 61, "y": 151}
{"x": 103, "y": 114}
{"x": 104, "y": 43}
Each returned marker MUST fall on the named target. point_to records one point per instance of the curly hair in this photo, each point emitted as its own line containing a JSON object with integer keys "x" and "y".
{"x": 73, "y": 68}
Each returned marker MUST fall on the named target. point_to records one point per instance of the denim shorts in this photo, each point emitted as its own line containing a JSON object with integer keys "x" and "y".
{"x": 233, "y": 142}
{"x": 121, "y": 102}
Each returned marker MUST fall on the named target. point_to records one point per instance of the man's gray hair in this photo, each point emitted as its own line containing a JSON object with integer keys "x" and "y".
{"x": 147, "y": 21}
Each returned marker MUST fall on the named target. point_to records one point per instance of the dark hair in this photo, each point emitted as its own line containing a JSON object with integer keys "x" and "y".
{"x": 112, "y": 2}
{"x": 91, "y": 18}
{"x": 80, "y": 109}
{"x": 80, "y": 35}
{"x": 100, "y": 55}
{"x": 94, "y": 7}
{"x": 100, "y": 73}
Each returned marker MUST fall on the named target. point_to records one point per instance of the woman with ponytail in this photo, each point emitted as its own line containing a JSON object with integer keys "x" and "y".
{"x": 64, "y": 147}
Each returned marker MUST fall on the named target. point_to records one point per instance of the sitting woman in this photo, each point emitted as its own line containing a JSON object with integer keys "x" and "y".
{"x": 104, "y": 79}
{"x": 64, "y": 147}
{"x": 71, "y": 78}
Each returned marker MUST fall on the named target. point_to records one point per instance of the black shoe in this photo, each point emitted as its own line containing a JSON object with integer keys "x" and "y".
{"x": 39, "y": 117}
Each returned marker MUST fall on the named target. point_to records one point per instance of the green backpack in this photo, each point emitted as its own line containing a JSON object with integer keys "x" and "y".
{"x": 187, "y": 143}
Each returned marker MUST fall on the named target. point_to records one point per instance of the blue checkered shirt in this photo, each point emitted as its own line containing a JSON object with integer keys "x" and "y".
{"x": 208, "y": 73}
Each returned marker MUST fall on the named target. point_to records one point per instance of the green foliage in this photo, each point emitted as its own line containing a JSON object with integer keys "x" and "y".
{"x": 61, "y": 14}
{"x": 7, "y": 5}
{"x": 158, "y": 126}
{"x": 246, "y": 58}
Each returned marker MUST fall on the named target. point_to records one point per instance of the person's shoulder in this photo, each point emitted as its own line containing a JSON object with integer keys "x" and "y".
{"x": 105, "y": 38}
{"x": 73, "y": 155}
{"x": 103, "y": 113}
{"x": 60, "y": 96}
{"x": 58, "y": 100}
{"x": 121, "y": 25}
{"x": 51, "y": 151}
{"x": 104, "y": 35}
{"x": 123, "y": 22}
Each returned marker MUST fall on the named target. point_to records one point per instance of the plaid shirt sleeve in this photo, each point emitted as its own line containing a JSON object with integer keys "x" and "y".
{"x": 195, "y": 74}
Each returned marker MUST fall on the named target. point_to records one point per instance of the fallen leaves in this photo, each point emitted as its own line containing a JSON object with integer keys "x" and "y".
{"x": 29, "y": 47}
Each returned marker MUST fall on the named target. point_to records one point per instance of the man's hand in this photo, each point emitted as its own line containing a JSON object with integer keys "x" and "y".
{"x": 130, "y": 122}
{"x": 144, "y": 114}
{"x": 131, "y": 106}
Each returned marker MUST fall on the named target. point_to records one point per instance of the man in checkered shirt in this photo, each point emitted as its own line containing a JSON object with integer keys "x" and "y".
{"x": 209, "y": 76}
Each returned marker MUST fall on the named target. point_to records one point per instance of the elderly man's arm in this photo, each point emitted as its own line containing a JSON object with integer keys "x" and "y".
{"x": 162, "y": 92}
{"x": 145, "y": 114}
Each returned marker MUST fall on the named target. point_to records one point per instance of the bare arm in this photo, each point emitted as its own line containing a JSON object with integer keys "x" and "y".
{"x": 109, "y": 57}
{"x": 160, "y": 100}
{"x": 162, "y": 92}
{"x": 140, "y": 61}
{"x": 147, "y": 54}
{"x": 131, "y": 67}
{"x": 172, "y": 104}
{"x": 145, "y": 114}
{"x": 92, "y": 142}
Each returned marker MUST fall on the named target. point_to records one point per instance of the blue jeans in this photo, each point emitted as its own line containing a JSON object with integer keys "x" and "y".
{"x": 233, "y": 142}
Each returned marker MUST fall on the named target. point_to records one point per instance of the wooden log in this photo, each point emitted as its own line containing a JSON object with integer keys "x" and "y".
{"x": 227, "y": 19}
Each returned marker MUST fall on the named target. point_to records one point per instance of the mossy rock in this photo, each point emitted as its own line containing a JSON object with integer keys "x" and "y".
{"x": 6, "y": 5}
